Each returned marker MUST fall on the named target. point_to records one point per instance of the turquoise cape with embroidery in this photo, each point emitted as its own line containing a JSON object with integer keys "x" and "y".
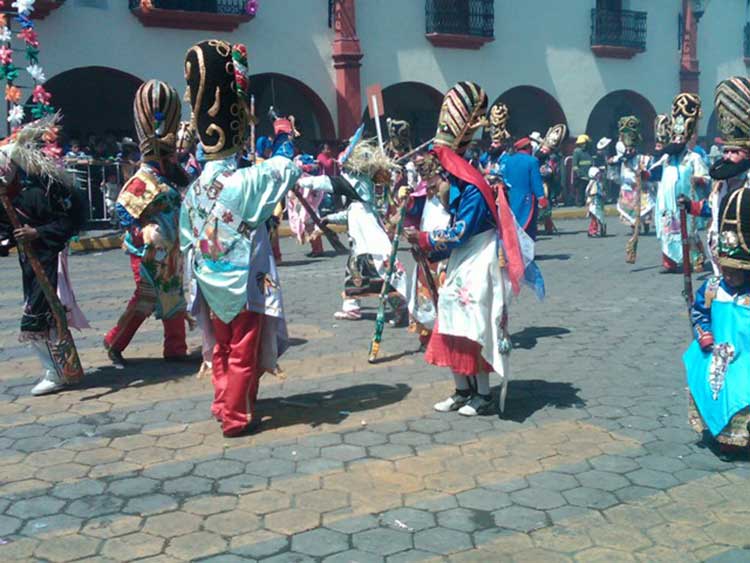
{"x": 730, "y": 323}
{"x": 219, "y": 216}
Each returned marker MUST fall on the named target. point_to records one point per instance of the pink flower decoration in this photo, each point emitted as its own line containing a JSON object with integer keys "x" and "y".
{"x": 29, "y": 36}
{"x": 52, "y": 151}
{"x": 252, "y": 7}
{"x": 40, "y": 95}
{"x": 6, "y": 55}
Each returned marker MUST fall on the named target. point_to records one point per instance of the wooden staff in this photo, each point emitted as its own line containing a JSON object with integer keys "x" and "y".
{"x": 631, "y": 248}
{"x": 329, "y": 234}
{"x": 64, "y": 353}
{"x": 252, "y": 128}
{"x": 687, "y": 291}
{"x": 380, "y": 319}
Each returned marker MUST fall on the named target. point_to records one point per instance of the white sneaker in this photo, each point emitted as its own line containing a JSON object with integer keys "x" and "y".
{"x": 477, "y": 405}
{"x": 452, "y": 403}
{"x": 50, "y": 383}
{"x": 348, "y": 315}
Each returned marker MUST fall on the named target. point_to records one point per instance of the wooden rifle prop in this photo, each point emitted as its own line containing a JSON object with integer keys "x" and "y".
{"x": 64, "y": 352}
{"x": 329, "y": 234}
{"x": 253, "y": 120}
{"x": 380, "y": 319}
{"x": 631, "y": 247}
{"x": 423, "y": 264}
{"x": 687, "y": 291}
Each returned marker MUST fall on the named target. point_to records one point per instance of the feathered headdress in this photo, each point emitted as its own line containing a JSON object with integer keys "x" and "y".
{"x": 367, "y": 159}
{"x": 25, "y": 147}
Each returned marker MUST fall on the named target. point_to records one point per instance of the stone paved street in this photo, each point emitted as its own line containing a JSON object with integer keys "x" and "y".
{"x": 593, "y": 459}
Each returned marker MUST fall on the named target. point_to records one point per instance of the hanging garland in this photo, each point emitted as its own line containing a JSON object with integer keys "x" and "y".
{"x": 40, "y": 105}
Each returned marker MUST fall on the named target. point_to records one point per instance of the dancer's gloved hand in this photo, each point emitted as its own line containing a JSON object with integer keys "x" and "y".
{"x": 412, "y": 235}
{"x": 684, "y": 202}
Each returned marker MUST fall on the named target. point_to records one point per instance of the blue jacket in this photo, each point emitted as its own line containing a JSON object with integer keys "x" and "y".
{"x": 524, "y": 181}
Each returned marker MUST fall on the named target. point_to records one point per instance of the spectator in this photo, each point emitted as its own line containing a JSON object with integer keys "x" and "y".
{"x": 582, "y": 161}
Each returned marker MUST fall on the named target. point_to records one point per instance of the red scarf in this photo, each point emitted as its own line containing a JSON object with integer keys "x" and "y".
{"x": 499, "y": 208}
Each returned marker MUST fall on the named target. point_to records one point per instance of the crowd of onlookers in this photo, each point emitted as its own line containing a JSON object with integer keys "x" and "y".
{"x": 101, "y": 148}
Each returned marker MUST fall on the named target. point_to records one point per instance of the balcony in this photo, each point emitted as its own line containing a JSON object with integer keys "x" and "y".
{"x": 747, "y": 44}
{"x": 462, "y": 24}
{"x": 208, "y": 15}
{"x": 618, "y": 34}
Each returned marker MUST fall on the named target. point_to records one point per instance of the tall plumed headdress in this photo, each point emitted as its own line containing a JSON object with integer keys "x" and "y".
{"x": 555, "y": 137}
{"x": 399, "y": 135}
{"x": 686, "y": 111}
{"x": 734, "y": 230}
{"x": 629, "y": 128}
{"x": 662, "y": 128}
{"x": 461, "y": 115}
{"x": 498, "y": 120}
{"x": 367, "y": 159}
{"x": 732, "y": 102}
{"x": 185, "y": 137}
{"x": 217, "y": 79}
{"x": 157, "y": 110}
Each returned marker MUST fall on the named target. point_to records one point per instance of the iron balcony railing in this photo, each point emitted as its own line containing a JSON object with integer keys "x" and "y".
{"x": 461, "y": 17}
{"x": 618, "y": 28}
{"x": 234, "y": 7}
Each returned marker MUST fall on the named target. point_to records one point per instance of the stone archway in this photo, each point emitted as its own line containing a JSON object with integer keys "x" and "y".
{"x": 531, "y": 109}
{"x": 415, "y": 102}
{"x": 292, "y": 97}
{"x": 607, "y": 112}
{"x": 95, "y": 100}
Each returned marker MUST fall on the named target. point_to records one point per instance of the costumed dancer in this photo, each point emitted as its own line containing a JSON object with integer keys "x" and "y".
{"x": 523, "y": 181}
{"x": 595, "y": 203}
{"x": 363, "y": 166}
{"x": 730, "y": 172}
{"x": 493, "y": 160}
{"x": 718, "y": 360}
{"x": 149, "y": 209}
{"x": 185, "y": 149}
{"x": 44, "y": 199}
{"x": 677, "y": 172}
{"x": 630, "y": 163}
{"x": 549, "y": 166}
{"x": 484, "y": 259}
{"x": 300, "y": 222}
{"x": 428, "y": 211}
{"x": 223, "y": 232}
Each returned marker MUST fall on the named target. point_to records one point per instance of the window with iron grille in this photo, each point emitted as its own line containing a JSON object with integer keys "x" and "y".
{"x": 618, "y": 28}
{"x": 461, "y": 17}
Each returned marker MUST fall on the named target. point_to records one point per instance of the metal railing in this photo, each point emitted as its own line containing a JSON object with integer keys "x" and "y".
{"x": 100, "y": 182}
{"x": 233, "y": 7}
{"x": 461, "y": 17}
{"x": 618, "y": 28}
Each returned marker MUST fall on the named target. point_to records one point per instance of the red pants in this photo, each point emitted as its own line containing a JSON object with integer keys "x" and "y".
{"x": 461, "y": 355}
{"x": 595, "y": 229}
{"x": 139, "y": 308}
{"x": 236, "y": 374}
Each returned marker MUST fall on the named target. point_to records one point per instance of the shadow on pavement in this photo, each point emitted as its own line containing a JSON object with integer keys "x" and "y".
{"x": 525, "y": 397}
{"x": 528, "y": 337}
{"x": 542, "y": 257}
{"x": 140, "y": 372}
{"x": 328, "y": 407}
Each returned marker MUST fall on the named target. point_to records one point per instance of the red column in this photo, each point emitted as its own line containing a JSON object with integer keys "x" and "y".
{"x": 347, "y": 55}
{"x": 689, "y": 65}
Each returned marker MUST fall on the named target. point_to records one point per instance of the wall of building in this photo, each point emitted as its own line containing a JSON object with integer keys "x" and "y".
{"x": 288, "y": 36}
{"x": 538, "y": 43}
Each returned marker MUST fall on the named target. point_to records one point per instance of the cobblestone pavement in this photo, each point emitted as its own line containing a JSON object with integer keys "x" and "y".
{"x": 592, "y": 461}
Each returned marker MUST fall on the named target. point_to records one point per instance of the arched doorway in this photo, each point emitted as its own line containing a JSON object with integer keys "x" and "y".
{"x": 291, "y": 97}
{"x": 531, "y": 109}
{"x": 415, "y": 102}
{"x": 608, "y": 111}
{"x": 95, "y": 101}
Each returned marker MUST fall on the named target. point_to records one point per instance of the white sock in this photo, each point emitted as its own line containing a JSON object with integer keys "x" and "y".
{"x": 483, "y": 383}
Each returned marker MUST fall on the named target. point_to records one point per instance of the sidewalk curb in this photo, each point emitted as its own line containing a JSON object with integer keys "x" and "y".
{"x": 109, "y": 242}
